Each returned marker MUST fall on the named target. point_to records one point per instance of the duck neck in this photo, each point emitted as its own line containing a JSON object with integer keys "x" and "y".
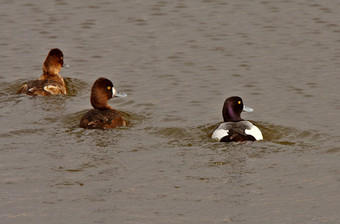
{"x": 231, "y": 116}
{"x": 100, "y": 106}
{"x": 51, "y": 76}
{"x": 50, "y": 70}
{"x": 99, "y": 102}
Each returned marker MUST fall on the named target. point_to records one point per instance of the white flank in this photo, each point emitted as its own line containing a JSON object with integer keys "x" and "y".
{"x": 255, "y": 132}
{"x": 219, "y": 134}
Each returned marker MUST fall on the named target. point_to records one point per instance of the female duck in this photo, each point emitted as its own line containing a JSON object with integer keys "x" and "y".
{"x": 235, "y": 128}
{"x": 50, "y": 82}
{"x": 102, "y": 116}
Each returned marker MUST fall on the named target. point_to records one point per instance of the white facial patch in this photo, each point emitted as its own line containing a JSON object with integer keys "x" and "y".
{"x": 219, "y": 134}
{"x": 255, "y": 132}
{"x": 113, "y": 91}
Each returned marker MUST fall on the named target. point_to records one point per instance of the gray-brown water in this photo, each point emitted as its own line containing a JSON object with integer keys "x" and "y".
{"x": 177, "y": 61}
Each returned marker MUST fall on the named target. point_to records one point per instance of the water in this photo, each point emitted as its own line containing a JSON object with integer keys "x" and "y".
{"x": 177, "y": 61}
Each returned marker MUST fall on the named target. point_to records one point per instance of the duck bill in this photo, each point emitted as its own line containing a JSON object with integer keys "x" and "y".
{"x": 247, "y": 109}
{"x": 119, "y": 94}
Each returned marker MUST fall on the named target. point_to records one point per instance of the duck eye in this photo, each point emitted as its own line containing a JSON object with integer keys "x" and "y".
{"x": 109, "y": 87}
{"x": 239, "y": 102}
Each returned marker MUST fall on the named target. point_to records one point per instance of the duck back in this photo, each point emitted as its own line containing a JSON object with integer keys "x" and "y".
{"x": 102, "y": 119}
{"x": 42, "y": 87}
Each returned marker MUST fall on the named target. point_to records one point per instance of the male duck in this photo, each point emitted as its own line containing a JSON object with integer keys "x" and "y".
{"x": 234, "y": 127}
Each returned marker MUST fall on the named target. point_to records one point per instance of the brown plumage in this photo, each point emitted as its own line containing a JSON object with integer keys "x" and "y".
{"x": 50, "y": 82}
{"x": 102, "y": 116}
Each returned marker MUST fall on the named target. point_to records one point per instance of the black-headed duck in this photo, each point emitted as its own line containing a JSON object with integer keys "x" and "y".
{"x": 234, "y": 127}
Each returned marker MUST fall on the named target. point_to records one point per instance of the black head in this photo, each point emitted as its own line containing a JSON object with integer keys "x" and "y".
{"x": 102, "y": 91}
{"x": 232, "y": 109}
{"x": 53, "y": 62}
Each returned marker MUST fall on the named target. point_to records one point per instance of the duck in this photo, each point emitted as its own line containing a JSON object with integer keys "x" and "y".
{"x": 234, "y": 128}
{"x": 50, "y": 82}
{"x": 103, "y": 116}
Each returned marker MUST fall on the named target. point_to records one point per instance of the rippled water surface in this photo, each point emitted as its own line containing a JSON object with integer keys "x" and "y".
{"x": 177, "y": 61}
